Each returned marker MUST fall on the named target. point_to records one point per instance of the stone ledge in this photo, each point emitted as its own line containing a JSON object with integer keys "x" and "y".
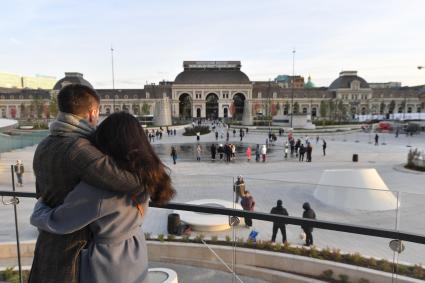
{"x": 266, "y": 265}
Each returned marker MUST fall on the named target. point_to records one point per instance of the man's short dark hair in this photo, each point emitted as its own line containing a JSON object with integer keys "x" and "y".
{"x": 77, "y": 99}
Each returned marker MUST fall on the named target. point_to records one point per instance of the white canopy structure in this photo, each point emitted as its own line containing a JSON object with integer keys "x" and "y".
{"x": 7, "y": 123}
{"x": 361, "y": 189}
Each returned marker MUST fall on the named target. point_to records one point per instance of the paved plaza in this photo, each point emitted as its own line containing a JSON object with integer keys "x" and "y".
{"x": 290, "y": 180}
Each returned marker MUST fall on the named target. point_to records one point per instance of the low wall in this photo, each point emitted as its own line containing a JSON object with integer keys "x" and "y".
{"x": 265, "y": 265}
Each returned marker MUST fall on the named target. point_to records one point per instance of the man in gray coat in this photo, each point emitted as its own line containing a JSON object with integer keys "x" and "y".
{"x": 61, "y": 161}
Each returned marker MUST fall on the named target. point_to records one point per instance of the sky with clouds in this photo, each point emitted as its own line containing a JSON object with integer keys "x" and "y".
{"x": 382, "y": 40}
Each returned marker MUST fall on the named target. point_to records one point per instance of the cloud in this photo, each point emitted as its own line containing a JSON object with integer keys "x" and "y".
{"x": 15, "y": 41}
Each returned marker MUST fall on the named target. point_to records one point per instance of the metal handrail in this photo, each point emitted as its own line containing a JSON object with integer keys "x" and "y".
{"x": 321, "y": 224}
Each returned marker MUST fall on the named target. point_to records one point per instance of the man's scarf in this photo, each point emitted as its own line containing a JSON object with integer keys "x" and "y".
{"x": 69, "y": 125}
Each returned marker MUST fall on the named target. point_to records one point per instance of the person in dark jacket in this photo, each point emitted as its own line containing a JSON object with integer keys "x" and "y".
{"x": 213, "y": 151}
{"x": 248, "y": 203}
{"x": 302, "y": 151}
{"x": 220, "y": 151}
{"x": 309, "y": 150}
{"x": 173, "y": 154}
{"x": 324, "y": 147}
{"x": 308, "y": 230}
{"x": 279, "y": 210}
{"x": 257, "y": 153}
{"x": 61, "y": 161}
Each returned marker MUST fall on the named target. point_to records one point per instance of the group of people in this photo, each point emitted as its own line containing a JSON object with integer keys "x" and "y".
{"x": 297, "y": 147}
{"x": 157, "y": 133}
{"x": 93, "y": 184}
{"x": 300, "y": 150}
{"x": 308, "y": 213}
{"x": 248, "y": 204}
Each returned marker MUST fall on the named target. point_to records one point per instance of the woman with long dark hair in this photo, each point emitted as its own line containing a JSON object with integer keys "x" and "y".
{"x": 118, "y": 250}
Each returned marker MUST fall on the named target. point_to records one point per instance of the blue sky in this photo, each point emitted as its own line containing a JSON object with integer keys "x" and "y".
{"x": 382, "y": 40}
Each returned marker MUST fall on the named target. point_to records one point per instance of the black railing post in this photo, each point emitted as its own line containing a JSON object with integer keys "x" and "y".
{"x": 18, "y": 246}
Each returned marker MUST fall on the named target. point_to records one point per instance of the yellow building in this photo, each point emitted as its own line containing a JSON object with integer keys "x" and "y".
{"x": 10, "y": 80}
{"x": 16, "y": 81}
{"x": 43, "y": 82}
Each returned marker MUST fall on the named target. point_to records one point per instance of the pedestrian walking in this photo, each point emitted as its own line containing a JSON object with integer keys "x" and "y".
{"x": 234, "y": 132}
{"x": 19, "y": 171}
{"x": 286, "y": 150}
{"x": 279, "y": 210}
{"x": 376, "y": 139}
{"x": 248, "y": 153}
{"x": 198, "y": 152}
{"x": 198, "y": 136}
{"x": 309, "y": 150}
{"x": 257, "y": 153}
{"x": 248, "y": 204}
{"x": 292, "y": 146}
{"x": 220, "y": 151}
{"x": 302, "y": 151}
{"x": 308, "y": 229}
{"x": 264, "y": 152}
{"x": 216, "y": 135}
{"x": 213, "y": 151}
{"x": 173, "y": 154}
{"x": 239, "y": 189}
{"x": 324, "y": 147}
{"x": 175, "y": 131}
{"x": 227, "y": 136}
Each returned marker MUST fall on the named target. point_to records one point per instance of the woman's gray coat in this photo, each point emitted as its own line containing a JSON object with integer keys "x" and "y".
{"x": 117, "y": 251}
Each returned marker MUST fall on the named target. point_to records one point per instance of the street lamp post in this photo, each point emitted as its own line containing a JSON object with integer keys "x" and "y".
{"x": 268, "y": 104}
{"x": 292, "y": 87}
{"x": 113, "y": 78}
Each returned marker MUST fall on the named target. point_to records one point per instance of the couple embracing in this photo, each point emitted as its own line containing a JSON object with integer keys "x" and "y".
{"x": 93, "y": 187}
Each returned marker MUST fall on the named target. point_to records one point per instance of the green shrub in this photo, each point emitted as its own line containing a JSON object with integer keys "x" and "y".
{"x": 356, "y": 258}
{"x": 385, "y": 265}
{"x": 363, "y": 280}
{"x": 277, "y": 247}
{"x": 372, "y": 263}
{"x": 228, "y": 239}
{"x": 147, "y": 236}
{"x": 199, "y": 238}
{"x": 161, "y": 237}
{"x": 418, "y": 272}
{"x": 191, "y": 131}
{"x": 327, "y": 274}
{"x": 9, "y": 275}
{"x": 185, "y": 238}
{"x": 214, "y": 238}
{"x": 314, "y": 253}
{"x": 343, "y": 278}
{"x": 170, "y": 237}
{"x": 249, "y": 243}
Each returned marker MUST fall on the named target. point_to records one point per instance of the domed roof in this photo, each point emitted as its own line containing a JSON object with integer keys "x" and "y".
{"x": 71, "y": 78}
{"x": 346, "y": 78}
{"x": 212, "y": 76}
{"x": 309, "y": 83}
